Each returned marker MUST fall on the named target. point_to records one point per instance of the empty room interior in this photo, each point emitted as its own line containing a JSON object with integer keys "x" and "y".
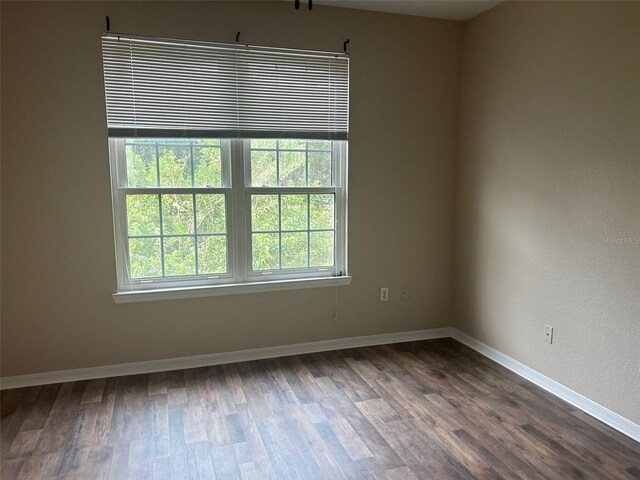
{"x": 327, "y": 239}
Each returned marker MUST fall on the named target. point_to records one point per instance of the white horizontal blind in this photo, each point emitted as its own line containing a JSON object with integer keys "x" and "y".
{"x": 173, "y": 88}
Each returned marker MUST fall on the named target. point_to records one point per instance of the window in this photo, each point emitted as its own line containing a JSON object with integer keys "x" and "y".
{"x": 182, "y": 220}
{"x": 215, "y": 185}
{"x": 295, "y": 197}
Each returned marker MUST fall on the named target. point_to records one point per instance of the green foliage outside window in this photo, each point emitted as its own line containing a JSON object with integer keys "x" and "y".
{"x": 184, "y": 234}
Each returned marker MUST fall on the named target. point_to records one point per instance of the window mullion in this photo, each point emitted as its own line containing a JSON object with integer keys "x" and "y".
{"x": 308, "y": 231}
{"x": 195, "y": 229}
{"x": 193, "y": 179}
{"x": 291, "y": 190}
{"x": 172, "y": 190}
{"x": 158, "y": 165}
{"x": 161, "y": 233}
{"x": 238, "y": 208}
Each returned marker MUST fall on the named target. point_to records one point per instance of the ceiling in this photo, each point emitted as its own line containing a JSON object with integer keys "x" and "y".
{"x": 450, "y": 9}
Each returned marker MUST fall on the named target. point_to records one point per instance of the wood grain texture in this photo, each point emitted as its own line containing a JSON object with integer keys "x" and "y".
{"x": 419, "y": 410}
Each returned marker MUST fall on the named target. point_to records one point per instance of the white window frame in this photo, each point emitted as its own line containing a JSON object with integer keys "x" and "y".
{"x": 235, "y": 155}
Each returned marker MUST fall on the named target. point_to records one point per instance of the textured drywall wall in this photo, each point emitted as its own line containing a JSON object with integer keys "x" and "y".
{"x": 58, "y": 269}
{"x": 548, "y": 192}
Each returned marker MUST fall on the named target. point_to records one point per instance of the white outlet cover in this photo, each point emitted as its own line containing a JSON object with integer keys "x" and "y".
{"x": 384, "y": 294}
{"x": 548, "y": 334}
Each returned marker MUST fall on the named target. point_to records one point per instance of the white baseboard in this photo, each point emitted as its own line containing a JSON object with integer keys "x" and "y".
{"x": 218, "y": 358}
{"x": 597, "y": 411}
{"x": 594, "y": 409}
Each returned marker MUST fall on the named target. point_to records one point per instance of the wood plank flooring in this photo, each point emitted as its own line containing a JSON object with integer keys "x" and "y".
{"x": 419, "y": 410}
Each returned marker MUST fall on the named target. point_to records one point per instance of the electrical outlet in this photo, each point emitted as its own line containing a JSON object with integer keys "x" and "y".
{"x": 404, "y": 295}
{"x": 548, "y": 334}
{"x": 384, "y": 294}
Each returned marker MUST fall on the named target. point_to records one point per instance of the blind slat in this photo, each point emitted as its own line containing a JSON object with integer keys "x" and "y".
{"x": 164, "y": 87}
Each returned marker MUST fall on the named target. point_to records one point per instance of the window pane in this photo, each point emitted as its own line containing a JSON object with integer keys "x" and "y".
{"x": 206, "y": 141}
{"x": 143, "y": 215}
{"x": 168, "y": 142}
{"x": 292, "y": 144}
{"x": 212, "y": 254}
{"x": 179, "y": 256}
{"x": 294, "y": 212}
{"x": 320, "y": 145}
{"x": 263, "y": 168}
{"x": 321, "y": 212}
{"x": 292, "y": 169}
{"x": 321, "y": 245}
{"x": 145, "y": 259}
{"x": 264, "y": 213}
{"x": 263, "y": 143}
{"x": 207, "y": 167}
{"x": 294, "y": 250}
{"x": 177, "y": 213}
{"x": 320, "y": 169}
{"x": 210, "y": 213}
{"x": 141, "y": 166}
{"x": 265, "y": 247}
{"x": 175, "y": 166}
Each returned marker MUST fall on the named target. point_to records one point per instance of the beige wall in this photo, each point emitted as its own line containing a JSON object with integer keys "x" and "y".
{"x": 58, "y": 268}
{"x": 549, "y": 175}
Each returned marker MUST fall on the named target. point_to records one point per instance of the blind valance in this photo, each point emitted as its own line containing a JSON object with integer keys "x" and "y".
{"x": 174, "y": 88}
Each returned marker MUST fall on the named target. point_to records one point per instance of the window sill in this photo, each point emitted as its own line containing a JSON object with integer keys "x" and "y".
{"x": 232, "y": 289}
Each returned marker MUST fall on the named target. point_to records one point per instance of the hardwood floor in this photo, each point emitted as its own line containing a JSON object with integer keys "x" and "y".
{"x": 420, "y": 410}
